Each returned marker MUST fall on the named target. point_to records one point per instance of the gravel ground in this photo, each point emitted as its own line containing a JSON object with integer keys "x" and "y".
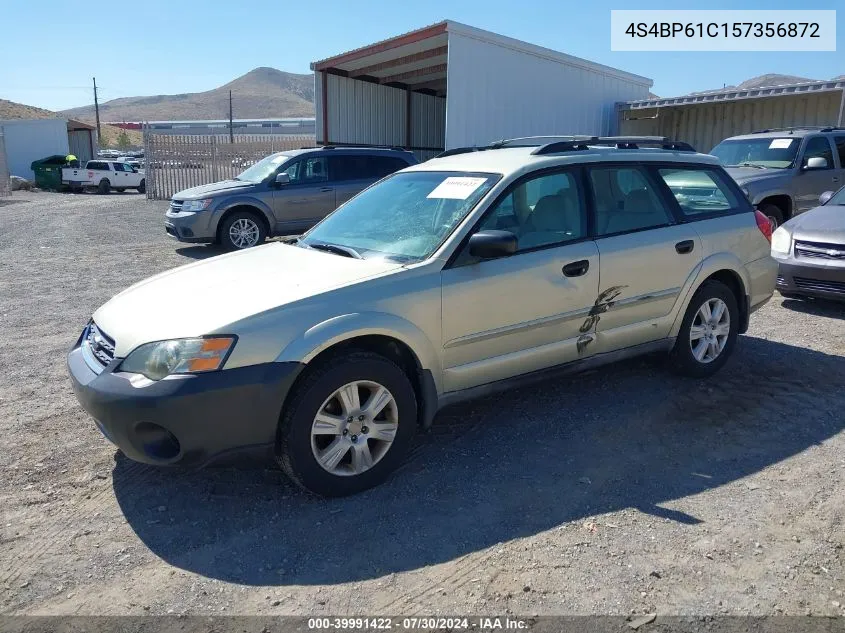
{"x": 624, "y": 490}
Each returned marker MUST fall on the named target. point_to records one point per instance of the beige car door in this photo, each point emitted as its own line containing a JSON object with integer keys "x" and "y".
{"x": 518, "y": 314}
{"x": 646, "y": 257}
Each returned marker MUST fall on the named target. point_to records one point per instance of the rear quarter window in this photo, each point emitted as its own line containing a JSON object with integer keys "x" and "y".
{"x": 700, "y": 192}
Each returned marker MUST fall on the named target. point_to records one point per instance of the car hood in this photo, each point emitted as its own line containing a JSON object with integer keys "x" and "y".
{"x": 744, "y": 175}
{"x": 203, "y": 297}
{"x": 822, "y": 224}
{"x": 205, "y": 191}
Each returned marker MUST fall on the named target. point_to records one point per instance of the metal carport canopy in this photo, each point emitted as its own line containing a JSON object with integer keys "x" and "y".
{"x": 425, "y": 61}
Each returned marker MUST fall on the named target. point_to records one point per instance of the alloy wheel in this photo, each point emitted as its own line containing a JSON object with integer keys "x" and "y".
{"x": 710, "y": 330}
{"x": 354, "y": 428}
{"x": 244, "y": 233}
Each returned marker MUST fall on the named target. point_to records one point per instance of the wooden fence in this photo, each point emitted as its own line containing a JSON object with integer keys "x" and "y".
{"x": 174, "y": 163}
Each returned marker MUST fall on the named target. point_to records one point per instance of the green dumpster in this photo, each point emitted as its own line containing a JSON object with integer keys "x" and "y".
{"x": 48, "y": 172}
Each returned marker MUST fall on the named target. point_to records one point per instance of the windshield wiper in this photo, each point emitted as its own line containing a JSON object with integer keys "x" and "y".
{"x": 336, "y": 249}
{"x": 752, "y": 165}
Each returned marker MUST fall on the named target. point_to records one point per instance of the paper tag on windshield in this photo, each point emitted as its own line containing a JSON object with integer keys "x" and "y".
{"x": 780, "y": 143}
{"x": 456, "y": 187}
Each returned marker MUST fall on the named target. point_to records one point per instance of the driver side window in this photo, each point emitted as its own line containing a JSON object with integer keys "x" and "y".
{"x": 818, "y": 147}
{"x": 307, "y": 171}
{"x": 541, "y": 211}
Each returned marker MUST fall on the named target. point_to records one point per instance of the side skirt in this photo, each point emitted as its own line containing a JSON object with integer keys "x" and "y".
{"x": 574, "y": 367}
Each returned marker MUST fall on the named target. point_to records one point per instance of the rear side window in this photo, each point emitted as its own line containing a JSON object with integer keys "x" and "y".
{"x": 626, "y": 201}
{"x": 700, "y": 191}
{"x": 351, "y": 167}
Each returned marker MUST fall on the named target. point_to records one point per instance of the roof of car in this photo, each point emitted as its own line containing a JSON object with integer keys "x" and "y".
{"x": 344, "y": 150}
{"x": 510, "y": 160}
{"x": 797, "y": 132}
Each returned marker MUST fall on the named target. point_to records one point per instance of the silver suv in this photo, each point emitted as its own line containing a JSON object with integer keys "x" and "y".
{"x": 784, "y": 171}
{"x": 468, "y": 273}
{"x": 283, "y": 194}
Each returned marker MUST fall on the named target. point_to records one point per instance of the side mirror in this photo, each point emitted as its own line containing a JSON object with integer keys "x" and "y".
{"x": 492, "y": 244}
{"x": 282, "y": 179}
{"x": 827, "y": 195}
{"x": 815, "y": 162}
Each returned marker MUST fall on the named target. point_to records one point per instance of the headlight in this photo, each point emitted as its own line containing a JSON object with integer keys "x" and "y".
{"x": 179, "y": 356}
{"x": 196, "y": 205}
{"x": 781, "y": 241}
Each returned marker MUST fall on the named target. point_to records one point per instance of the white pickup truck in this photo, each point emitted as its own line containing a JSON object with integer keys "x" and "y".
{"x": 105, "y": 175}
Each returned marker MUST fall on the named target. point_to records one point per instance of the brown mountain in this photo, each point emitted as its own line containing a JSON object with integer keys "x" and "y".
{"x": 12, "y": 110}
{"x": 262, "y": 93}
{"x": 765, "y": 81}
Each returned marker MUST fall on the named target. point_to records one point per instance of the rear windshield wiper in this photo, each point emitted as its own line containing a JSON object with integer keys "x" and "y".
{"x": 336, "y": 249}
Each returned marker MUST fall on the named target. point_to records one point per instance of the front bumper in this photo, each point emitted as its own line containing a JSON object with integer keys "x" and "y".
{"x": 188, "y": 419}
{"x": 823, "y": 282}
{"x": 190, "y": 227}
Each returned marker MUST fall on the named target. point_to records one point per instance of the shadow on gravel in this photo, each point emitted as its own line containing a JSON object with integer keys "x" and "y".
{"x": 816, "y": 307}
{"x": 628, "y": 436}
{"x": 200, "y": 251}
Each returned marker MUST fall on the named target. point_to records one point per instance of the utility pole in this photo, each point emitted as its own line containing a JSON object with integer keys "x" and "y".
{"x": 97, "y": 113}
{"x": 231, "y": 131}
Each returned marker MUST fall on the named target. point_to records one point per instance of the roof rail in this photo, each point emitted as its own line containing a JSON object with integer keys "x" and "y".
{"x": 619, "y": 142}
{"x": 820, "y": 128}
{"x": 575, "y": 143}
{"x": 390, "y": 147}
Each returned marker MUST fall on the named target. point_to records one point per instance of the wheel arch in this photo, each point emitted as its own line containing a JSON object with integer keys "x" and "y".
{"x": 251, "y": 206}
{"x": 728, "y": 269}
{"x": 781, "y": 200}
{"x": 388, "y": 335}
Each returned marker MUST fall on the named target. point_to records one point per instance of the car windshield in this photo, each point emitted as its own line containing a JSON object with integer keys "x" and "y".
{"x": 263, "y": 168}
{"x": 757, "y": 152}
{"x": 404, "y": 217}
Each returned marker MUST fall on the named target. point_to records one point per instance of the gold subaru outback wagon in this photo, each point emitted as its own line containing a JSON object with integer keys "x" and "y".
{"x": 468, "y": 273}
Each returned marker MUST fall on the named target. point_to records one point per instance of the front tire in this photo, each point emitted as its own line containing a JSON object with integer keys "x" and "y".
{"x": 774, "y": 213}
{"x": 142, "y": 188}
{"x": 104, "y": 187}
{"x": 349, "y": 424}
{"x": 241, "y": 230}
{"x": 708, "y": 332}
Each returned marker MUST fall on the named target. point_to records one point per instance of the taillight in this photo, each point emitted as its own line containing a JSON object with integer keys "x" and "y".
{"x": 764, "y": 224}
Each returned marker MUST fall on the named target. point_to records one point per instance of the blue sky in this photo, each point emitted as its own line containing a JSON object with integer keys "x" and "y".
{"x": 49, "y": 50}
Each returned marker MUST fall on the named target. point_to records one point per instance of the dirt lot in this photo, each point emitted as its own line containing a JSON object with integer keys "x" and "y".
{"x": 619, "y": 491}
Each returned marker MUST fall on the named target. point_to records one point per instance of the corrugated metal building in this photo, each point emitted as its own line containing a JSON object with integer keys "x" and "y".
{"x": 706, "y": 118}
{"x": 30, "y": 139}
{"x": 451, "y": 85}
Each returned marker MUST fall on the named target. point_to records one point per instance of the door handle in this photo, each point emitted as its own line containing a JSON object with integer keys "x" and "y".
{"x": 836, "y": 179}
{"x": 326, "y": 189}
{"x": 685, "y": 247}
{"x": 576, "y": 269}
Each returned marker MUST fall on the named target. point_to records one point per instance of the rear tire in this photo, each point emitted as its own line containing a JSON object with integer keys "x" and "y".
{"x": 242, "y": 229}
{"x": 329, "y": 462}
{"x": 774, "y": 213}
{"x": 142, "y": 188}
{"x": 104, "y": 186}
{"x": 703, "y": 345}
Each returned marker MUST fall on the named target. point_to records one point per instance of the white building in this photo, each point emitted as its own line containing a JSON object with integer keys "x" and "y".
{"x": 30, "y": 139}
{"x": 451, "y": 85}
